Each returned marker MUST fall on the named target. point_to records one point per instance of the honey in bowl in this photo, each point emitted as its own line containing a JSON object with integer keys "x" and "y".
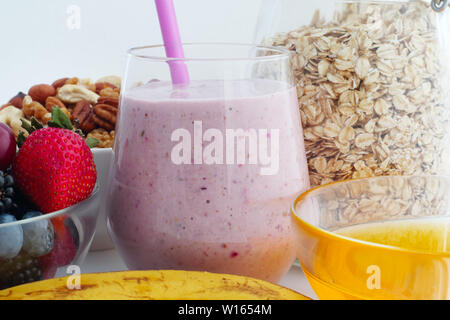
{"x": 426, "y": 235}
{"x": 379, "y": 254}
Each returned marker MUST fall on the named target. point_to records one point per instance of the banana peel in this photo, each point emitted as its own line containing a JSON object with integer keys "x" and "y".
{"x": 150, "y": 285}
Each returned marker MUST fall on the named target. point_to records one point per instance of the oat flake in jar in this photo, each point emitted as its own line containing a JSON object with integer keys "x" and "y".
{"x": 372, "y": 82}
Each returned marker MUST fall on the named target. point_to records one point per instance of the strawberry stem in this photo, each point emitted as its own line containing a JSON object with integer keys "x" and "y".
{"x": 59, "y": 119}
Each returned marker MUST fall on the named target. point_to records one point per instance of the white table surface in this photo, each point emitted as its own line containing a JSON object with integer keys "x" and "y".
{"x": 109, "y": 260}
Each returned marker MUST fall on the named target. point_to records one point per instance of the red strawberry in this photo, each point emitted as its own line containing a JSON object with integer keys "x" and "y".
{"x": 55, "y": 169}
{"x": 63, "y": 252}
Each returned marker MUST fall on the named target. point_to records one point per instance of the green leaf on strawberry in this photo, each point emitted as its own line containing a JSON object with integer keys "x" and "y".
{"x": 21, "y": 139}
{"x": 30, "y": 127}
{"x": 26, "y": 126}
{"x": 59, "y": 119}
{"x": 36, "y": 124}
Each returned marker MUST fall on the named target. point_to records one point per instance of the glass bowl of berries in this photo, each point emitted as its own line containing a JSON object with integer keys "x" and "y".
{"x": 49, "y": 202}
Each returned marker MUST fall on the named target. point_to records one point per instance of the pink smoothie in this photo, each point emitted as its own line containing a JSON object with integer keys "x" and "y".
{"x": 226, "y": 218}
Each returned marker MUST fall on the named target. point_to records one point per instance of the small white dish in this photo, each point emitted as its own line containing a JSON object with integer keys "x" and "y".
{"x": 102, "y": 159}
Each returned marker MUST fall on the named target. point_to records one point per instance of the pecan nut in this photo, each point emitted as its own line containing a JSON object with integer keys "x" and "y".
{"x": 109, "y": 100}
{"x": 88, "y": 125}
{"x": 82, "y": 116}
{"x": 105, "y": 116}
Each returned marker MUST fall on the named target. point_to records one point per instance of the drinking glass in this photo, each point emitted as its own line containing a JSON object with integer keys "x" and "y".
{"x": 204, "y": 172}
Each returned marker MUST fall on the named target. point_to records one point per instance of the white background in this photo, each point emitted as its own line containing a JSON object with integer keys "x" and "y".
{"x": 37, "y": 46}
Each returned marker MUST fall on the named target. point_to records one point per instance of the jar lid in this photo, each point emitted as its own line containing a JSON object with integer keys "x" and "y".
{"x": 439, "y": 5}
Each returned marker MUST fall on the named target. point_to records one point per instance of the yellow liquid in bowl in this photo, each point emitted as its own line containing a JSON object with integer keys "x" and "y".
{"x": 429, "y": 235}
{"x": 412, "y": 263}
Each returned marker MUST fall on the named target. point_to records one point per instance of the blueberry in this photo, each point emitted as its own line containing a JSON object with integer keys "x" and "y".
{"x": 11, "y": 237}
{"x": 9, "y": 181}
{"x": 7, "y": 218}
{"x": 31, "y": 214}
{"x": 38, "y": 236}
{"x": 2, "y": 180}
{"x": 9, "y": 192}
{"x": 7, "y": 202}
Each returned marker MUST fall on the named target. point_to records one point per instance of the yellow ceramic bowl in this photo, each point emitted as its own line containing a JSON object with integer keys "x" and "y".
{"x": 376, "y": 238}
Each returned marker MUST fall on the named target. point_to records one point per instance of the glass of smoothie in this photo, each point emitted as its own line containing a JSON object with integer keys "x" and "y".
{"x": 204, "y": 172}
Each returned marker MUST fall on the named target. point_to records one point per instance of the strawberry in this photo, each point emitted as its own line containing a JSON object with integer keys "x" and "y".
{"x": 64, "y": 250}
{"x": 55, "y": 169}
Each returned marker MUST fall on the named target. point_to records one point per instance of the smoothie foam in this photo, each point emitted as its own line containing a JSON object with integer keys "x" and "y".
{"x": 224, "y": 218}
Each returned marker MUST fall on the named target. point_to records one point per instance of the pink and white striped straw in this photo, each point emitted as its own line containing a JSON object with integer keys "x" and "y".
{"x": 172, "y": 40}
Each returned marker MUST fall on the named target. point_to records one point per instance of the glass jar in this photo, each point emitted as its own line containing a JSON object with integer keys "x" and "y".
{"x": 204, "y": 172}
{"x": 372, "y": 83}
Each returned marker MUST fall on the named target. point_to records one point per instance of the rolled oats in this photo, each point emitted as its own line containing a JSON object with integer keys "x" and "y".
{"x": 372, "y": 200}
{"x": 369, "y": 85}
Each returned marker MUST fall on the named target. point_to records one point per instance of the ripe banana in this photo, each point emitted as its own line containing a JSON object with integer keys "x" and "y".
{"x": 144, "y": 285}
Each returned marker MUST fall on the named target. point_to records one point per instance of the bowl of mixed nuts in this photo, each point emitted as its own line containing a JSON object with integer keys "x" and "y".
{"x": 92, "y": 109}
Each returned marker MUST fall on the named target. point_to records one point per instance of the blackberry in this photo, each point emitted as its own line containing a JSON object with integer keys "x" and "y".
{"x": 7, "y": 192}
{"x": 19, "y": 270}
{"x": 22, "y": 205}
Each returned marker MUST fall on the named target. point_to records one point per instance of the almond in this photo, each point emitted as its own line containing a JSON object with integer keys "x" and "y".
{"x": 17, "y": 100}
{"x": 59, "y": 83}
{"x": 41, "y": 92}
